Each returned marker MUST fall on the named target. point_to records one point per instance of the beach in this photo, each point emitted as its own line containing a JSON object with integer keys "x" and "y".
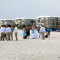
{"x": 31, "y": 49}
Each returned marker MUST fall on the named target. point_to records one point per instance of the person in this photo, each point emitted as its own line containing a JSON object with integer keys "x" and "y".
{"x": 48, "y": 32}
{"x": 42, "y": 31}
{"x": 38, "y": 29}
{"x": 34, "y": 34}
{"x": 24, "y": 33}
{"x": 2, "y": 32}
{"x": 12, "y": 32}
{"x": 8, "y": 32}
{"x": 28, "y": 31}
{"x": 5, "y": 32}
{"x": 16, "y": 32}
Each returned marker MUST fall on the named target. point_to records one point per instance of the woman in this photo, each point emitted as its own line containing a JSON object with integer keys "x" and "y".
{"x": 34, "y": 34}
{"x": 28, "y": 31}
{"x": 24, "y": 33}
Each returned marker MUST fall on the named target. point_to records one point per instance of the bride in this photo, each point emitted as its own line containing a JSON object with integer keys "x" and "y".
{"x": 34, "y": 34}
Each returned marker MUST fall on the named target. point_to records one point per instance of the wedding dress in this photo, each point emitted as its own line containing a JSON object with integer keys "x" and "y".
{"x": 34, "y": 34}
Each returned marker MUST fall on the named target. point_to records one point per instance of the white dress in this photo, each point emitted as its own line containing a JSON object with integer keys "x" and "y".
{"x": 35, "y": 34}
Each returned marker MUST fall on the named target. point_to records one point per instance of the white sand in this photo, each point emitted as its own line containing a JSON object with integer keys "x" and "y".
{"x": 31, "y": 49}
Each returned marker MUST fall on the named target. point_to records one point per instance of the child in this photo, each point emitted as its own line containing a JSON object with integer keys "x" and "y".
{"x": 24, "y": 33}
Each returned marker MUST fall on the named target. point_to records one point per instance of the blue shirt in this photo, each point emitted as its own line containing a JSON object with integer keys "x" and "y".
{"x": 48, "y": 30}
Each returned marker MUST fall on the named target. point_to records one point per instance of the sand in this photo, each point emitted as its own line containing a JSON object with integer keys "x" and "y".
{"x": 31, "y": 49}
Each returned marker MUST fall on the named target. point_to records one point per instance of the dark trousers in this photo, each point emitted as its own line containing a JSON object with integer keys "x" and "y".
{"x": 24, "y": 37}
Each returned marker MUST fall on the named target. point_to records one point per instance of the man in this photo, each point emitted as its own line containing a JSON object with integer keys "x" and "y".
{"x": 28, "y": 31}
{"x": 16, "y": 32}
{"x": 12, "y": 32}
{"x": 8, "y": 32}
{"x": 2, "y": 32}
{"x": 42, "y": 30}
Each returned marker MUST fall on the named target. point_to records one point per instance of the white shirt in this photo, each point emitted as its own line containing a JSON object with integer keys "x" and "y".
{"x": 15, "y": 29}
{"x": 42, "y": 29}
{"x": 8, "y": 29}
{"x": 2, "y": 29}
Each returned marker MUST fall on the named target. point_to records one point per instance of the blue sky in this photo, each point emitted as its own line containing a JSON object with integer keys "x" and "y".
{"x": 11, "y": 9}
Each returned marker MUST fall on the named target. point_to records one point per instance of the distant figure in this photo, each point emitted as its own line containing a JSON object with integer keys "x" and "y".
{"x": 48, "y": 32}
{"x": 28, "y": 31}
{"x": 42, "y": 31}
{"x": 8, "y": 32}
{"x": 2, "y": 32}
{"x": 35, "y": 34}
{"x": 12, "y": 28}
{"x": 24, "y": 33}
{"x": 38, "y": 29}
{"x": 16, "y": 32}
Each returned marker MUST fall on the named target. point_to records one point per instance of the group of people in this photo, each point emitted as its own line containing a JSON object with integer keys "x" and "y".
{"x": 7, "y": 32}
{"x": 27, "y": 32}
{"x": 35, "y": 33}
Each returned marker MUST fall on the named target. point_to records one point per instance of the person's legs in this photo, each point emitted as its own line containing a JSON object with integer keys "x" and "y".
{"x": 48, "y": 34}
{"x": 27, "y": 37}
{"x": 2, "y": 36}
{"x": 8, "y": 36}
{"x": 24, "y": 37}
{"x": 16, "y": 36}
{"x": 43, "y": 37}
{"x": 11, "y": 35}
{"x": 39, "y": 35}
{"x": 5, "y": 36}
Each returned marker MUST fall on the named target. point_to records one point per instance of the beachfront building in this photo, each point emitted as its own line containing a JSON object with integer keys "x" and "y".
{"x": 59, "y": 21}
{"x": 1, "y": 22}
{"x": 22, "y": 21}
{"x": 41, "y": 20}
{"x": 9, "y": 22}
{"x": 53, "y": 22}
{"x": 29, "y": 21}
{"x": 48, "y": 21}
{"x": 6, "y": 22}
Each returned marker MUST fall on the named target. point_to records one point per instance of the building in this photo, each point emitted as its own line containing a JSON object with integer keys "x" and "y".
{"x": 6, "y": 22}
{"x": 1, "y": 22}
{"x": 29, "y": 21}
{"x": 47, "y": 21}
{"x": 20, "y": 21}
{"x": 41, "y": 20}
{"x": 9, "y": 22}
{"x": 53, "y": 22}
